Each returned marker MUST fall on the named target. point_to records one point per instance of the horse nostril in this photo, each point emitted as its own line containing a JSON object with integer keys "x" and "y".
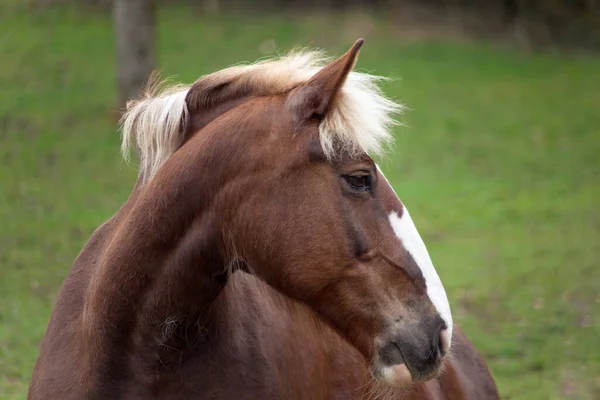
{"x": 444, "y": 342}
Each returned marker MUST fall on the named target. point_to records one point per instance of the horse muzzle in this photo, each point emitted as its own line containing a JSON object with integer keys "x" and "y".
{"x": 411, "y": 355}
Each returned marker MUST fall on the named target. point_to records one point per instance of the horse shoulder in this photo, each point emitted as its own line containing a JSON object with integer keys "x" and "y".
{"x": 55, "y": 371}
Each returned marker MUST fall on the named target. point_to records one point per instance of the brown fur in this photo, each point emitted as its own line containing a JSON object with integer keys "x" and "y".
{"x": 248, "y": 268}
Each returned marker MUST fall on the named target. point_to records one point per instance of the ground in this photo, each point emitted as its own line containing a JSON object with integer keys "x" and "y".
{"x": 498, "y": 161}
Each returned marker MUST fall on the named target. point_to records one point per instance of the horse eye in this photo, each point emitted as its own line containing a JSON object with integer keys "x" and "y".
{"x": 359, "y": 182}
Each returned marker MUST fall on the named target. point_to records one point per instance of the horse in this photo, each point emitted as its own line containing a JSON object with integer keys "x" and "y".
{"x": 261, "y": 254}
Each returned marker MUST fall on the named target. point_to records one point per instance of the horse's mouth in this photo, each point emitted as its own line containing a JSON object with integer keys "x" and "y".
{"x": 395, "y": 374}
{"x": 394, "y": 368}
{"x": 390, "y": 366}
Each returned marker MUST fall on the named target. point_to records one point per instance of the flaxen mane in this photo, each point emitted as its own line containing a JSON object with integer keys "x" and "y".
{"x": 360, "y": 120}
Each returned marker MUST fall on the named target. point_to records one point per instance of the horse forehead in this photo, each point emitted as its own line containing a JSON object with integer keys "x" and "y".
{"x": 390, "y": 200}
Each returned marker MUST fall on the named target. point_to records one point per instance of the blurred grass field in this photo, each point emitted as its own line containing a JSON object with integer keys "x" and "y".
{"x": 498, "y": 161}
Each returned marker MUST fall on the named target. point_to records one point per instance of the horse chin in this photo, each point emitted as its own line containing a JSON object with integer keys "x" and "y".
{"x": 400, "y": 375}
{"x": 395, "y": 375}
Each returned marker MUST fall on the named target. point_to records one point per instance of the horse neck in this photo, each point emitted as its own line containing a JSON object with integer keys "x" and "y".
{"x": 168, "y": 246}
{"x": 158, "y": 266}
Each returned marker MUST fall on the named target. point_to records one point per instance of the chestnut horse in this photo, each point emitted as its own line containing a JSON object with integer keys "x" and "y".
{"x": 261, "y": 255}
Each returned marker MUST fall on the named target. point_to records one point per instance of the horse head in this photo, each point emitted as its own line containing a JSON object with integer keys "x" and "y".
{"x": 271, "y": 163}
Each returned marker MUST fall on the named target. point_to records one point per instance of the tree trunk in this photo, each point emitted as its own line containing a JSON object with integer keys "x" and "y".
{"x": 210, "y": 6}
{"x": 134, "y": 24}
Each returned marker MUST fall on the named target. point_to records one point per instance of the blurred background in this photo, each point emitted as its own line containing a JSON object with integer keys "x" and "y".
{"x": 498, "y": 158}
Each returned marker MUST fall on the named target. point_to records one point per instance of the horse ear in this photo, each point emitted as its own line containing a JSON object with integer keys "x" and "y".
{"x": 315, "y": 97}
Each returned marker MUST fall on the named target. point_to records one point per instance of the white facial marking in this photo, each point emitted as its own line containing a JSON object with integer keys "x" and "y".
{"x": 407, "y": 232}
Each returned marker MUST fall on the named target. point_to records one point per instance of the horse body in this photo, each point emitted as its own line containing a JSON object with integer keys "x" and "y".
{"x": 234, "y": 272}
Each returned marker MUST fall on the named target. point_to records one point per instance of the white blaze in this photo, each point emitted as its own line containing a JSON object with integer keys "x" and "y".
{"x": 407, "y": 232}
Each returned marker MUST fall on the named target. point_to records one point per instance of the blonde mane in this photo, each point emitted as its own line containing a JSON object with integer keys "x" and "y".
{"x": 360, "y": 120}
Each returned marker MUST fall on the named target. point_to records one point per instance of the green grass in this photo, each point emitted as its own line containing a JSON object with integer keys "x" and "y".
{"x": 498, "y": 162}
